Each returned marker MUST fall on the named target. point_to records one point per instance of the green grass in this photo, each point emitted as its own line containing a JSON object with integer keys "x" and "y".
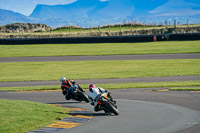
{"x": 114, "y": 28}
{"x": 21, "y": 116}
{"x": 31, "y": 88}
{"x": 114, "y": 86}
{"x": 100, "y": 49}
{"x": 32, "y": 71}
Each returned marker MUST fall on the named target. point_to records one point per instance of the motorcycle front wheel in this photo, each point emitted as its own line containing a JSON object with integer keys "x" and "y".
{"x": 84, "y": 97}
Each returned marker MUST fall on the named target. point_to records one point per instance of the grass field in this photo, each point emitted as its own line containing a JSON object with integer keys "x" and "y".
{"x": 31, "y": 71}
{"x": 100, "y": 49}
{"x": 21, "y": 116}
{"x": 110, "y": 28}
{"x": 115, "y": 28}
{"x": 183, "y": 84}
{"x": 37, "y": 115}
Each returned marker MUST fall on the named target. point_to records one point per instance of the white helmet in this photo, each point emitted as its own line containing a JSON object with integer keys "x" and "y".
{"x": 75, "y": 86}
{"x": 62, "y": 79}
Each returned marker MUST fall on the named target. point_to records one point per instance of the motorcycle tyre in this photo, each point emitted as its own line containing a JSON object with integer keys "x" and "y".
{"x": 84, "y": 97}
{"x": 111, "y": 108}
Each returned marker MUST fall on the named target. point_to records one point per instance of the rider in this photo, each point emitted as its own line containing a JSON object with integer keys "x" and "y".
{"x": 65, "y": 86}
{"x": 94, "y": 93}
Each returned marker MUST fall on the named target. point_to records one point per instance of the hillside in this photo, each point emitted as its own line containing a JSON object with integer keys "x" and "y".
{"x": 86, "y": 13}
{"x": 95, "y": 12}
{"x": 77, "y": 9}
{"x": 23, "y": 28}
{"x": 178, "y": 8}
{"x": 7, "y": 16}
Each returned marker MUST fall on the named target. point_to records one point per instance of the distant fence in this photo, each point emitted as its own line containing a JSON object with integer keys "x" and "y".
{"x": 103, "y": 39}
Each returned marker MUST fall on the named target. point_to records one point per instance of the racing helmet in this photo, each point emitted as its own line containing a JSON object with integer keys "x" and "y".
{"x": 92, "y": 86}
{"x": 75, "y": 86}
{"x": 62, "y": 79}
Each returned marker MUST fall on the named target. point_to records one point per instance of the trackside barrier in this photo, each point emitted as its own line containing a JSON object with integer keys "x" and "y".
{"x": 102, "y": 39}
{"x": 186, "y": 36}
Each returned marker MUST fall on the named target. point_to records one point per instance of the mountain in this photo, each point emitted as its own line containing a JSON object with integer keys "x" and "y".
{"x": 178, "y": 8}
{"x": 88, "y": 13}
{"x": 142, "y": 7}
{"x": 181, "y": 10}
{"x": 7, "y": 16}
{"x": 113, "y": 9}
{"x": 85, "y": 8}
{"x": 96, "y": 12}
{"x": 77, "y": 9}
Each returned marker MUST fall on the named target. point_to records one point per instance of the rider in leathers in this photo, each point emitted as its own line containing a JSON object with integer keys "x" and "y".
{"x": 93, "y": 95}
{"x": 65, "y": 86}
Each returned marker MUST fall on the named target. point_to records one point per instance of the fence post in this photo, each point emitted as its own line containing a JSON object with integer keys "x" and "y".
{"x": 21, "y": 29}
{"x": 80, "y": 31}
{"x": 99, "y": 29}
{"x": 120, "y": 28}
{"x": 188, "y": 22}
{"x": 70, "y": 29}
{"x": 109, "y": 29}
{"x": 131, "y": 28}
{"x": 166, "y": 24}
{"x": 41, "y": 30}
{"x": 174, "y": 23}
{"x": 60, "y": 30}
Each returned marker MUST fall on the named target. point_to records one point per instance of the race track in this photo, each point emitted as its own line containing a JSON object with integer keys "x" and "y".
{"x": 102, "y": 57}
{"x": 141, "y": 110}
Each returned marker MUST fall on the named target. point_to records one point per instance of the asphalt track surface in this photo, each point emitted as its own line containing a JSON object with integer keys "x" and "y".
{"x": 103, "y": 81}
{"x": 103, "y": 57}
{"x": 141, "y": 111}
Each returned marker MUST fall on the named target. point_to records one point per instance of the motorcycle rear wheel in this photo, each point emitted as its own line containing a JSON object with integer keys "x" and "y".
{"x": 109, "y": 107}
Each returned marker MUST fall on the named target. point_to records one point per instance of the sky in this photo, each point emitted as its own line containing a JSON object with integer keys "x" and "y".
{"x": 26, "y": 7}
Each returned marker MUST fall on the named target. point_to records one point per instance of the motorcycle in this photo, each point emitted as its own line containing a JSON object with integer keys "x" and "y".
{"x": 75, "y": 93}
{"x": 105, "y": 103}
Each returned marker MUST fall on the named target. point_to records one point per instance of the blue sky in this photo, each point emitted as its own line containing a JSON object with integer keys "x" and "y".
{"x": 26, "y": 6}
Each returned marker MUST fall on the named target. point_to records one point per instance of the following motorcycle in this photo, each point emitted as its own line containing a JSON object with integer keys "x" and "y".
{"x": 75, "y": 93}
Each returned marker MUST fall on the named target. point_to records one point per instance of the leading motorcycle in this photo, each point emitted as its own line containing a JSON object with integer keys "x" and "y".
{"x": 105, "y": 103}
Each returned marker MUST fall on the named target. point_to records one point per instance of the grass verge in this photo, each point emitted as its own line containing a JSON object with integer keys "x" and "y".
{"x": 32, "y": 71}
{"x": 100, "y": 49}
{"x": 111, "y": 86}
{"x": 21, "y": 116}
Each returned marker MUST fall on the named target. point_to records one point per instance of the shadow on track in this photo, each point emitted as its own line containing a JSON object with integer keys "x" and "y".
{"x": 68, "y": 105}
{"x": 63, "y": 103}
